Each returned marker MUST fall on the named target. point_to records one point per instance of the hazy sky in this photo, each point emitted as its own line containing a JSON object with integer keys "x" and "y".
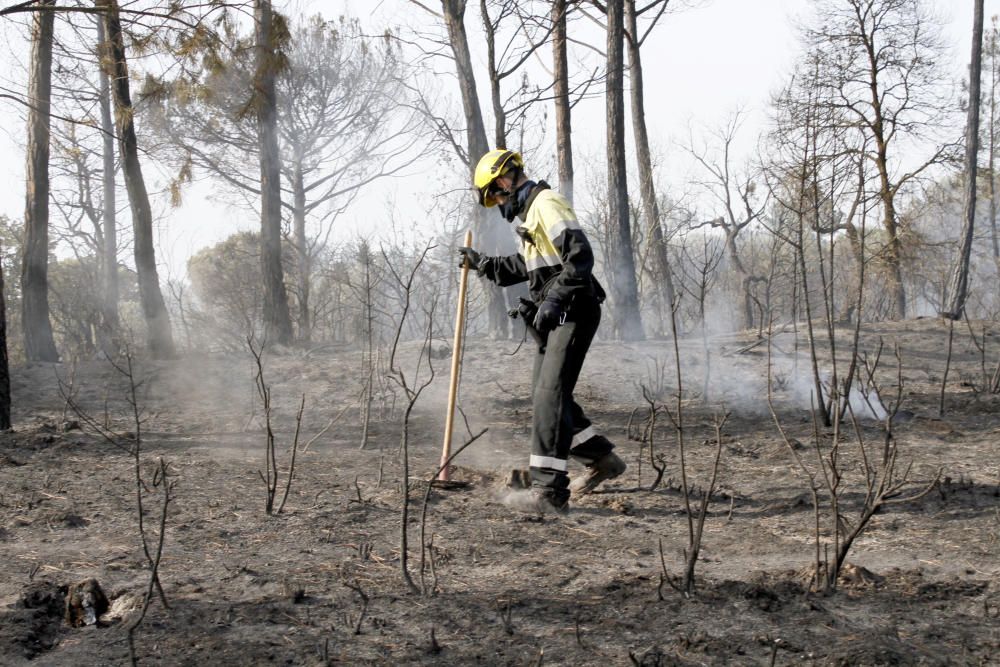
{"x": 700, "y": 65}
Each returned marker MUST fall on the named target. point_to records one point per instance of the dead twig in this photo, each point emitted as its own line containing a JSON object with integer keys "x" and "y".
{"x": 270, "y": 460}
{"x": 270, "y": 456}
{"x": 357, "y": 489}
{"x": 808, "y": 474}
{"x": 68, "y": 395}
{"x": 154, "y": 580}
{"x": 434, "y": 647}
{"x": 694, "y": 547}
{"x": 295, "y": 447}
{"x": 656, "y": 461}
{"x": 356, "y": 587}
{"x": 505, "y": 613}
{"x": 412, "y": 389}
{"x": 423, "y": 511}
{"x": 947, "y": 367}
{"x": 329, "y": 425}
{"x": 132, "y": 397}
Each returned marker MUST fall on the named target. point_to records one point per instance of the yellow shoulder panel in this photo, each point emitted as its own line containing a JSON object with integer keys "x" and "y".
{"x": 549, "y": 215}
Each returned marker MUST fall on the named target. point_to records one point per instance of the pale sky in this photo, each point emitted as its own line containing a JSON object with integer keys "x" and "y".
{"x": 700, "y": 65}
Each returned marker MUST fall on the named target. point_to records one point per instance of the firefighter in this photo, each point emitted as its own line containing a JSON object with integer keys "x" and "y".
{"x": 562, "y": 315}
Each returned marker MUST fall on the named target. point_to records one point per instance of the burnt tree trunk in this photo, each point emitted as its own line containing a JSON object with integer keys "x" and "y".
{"x": 154, "y": 309}
{"x": 959, "y": 285}
{"x": 746, "y": 280}
{"x": 499, "y": 114}
{"x": 491, "y": 235}
{"x": 991, "y": 143}
{"x": 5, "y": 423}
{"x": 454, "y": 15}
{"x": 560, "y": 66}
{"x": 303, "y": 257}
{"x": 662, "y": 278}
{"x": 991, "y": 159}
{"x": 277, "y": 320}
{"x": 39, "y": 344}
{"x": 109, "y": 259}
{"x": 628, "y": 320}
{"x": 893, "y": 256}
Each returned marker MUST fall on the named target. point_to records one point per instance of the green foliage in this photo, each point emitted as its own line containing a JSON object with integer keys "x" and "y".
{"x": 226, "y": 281}
{"x": 339, "y": 100}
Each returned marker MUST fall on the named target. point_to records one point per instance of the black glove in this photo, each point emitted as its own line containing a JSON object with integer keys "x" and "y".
{"x": 549, "y": 315}
{"x": 472, "y": 257}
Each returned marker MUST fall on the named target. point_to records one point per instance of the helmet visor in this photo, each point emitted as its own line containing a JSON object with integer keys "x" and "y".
{"x": 488, "y": 194}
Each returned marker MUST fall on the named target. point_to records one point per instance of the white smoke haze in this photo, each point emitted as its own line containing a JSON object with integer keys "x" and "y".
{"x": 722, "y": 315}
{"x": 737, "y": 375}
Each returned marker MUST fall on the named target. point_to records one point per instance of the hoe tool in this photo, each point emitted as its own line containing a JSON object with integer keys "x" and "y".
{"x": 456, "y": 357}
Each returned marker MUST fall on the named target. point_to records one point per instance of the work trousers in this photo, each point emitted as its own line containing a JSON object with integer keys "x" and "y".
{"x": 560, "y": 429}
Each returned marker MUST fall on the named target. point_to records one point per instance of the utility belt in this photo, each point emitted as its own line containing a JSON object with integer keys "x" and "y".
{"x": 581, "y": 303}
{"x": 584, "y": 298}
{"x": 526, "y": 310}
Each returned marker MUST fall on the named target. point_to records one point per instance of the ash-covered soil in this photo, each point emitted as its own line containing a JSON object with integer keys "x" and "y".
{"x": 321, "y": 582}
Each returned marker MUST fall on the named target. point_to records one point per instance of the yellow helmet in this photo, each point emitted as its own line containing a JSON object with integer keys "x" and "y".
{"x": 491, "y": 166}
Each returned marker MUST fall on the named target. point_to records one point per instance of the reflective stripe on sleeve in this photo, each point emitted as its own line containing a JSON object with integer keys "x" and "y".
{"x": 584, "y": 435}
{"x": 538, "y": 261}
{"x": 548, "y": 462}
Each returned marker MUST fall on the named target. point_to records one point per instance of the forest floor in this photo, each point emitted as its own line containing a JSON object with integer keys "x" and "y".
{"x": 321, "y": 582}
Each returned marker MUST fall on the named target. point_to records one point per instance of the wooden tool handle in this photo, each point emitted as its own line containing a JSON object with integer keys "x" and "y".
{"x": 456, "y": 356}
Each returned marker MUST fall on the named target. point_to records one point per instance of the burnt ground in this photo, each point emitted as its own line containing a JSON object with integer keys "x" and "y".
{"x": 922, "y": 587}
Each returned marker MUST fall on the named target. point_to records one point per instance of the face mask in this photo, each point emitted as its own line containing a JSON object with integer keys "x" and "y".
{"x": 515, "y": 203}
{"x": 509, "y": 209}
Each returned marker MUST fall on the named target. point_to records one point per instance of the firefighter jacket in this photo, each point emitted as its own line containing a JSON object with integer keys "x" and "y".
{"x": 555, "y": 258}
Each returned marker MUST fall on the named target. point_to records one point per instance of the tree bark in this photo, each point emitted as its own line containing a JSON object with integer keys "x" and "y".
{"x": 5, "y": 422}
{"x": 491, "y": 235}
{"x": 894, "y": 250}
{"x": 662, "y": 277}
{"x": 560, "y": 66}
{"x": 991, "y": 47}
{"x": 109, "y": 260}
{"x": 277, "y": 320}
{"x": 623, "y": 281}
{"x": 475, "y": 131}
{"x": 887, "y": 191}
{"x": 39, "y": 344}
{"x": 159, "y": 335}
{"x": 746, "y": 280}
{"x": 499, "y": 114}
{"x": 303, "y": 258}
{"x": 991, "y": 158}
{"x": 959, "y": 284}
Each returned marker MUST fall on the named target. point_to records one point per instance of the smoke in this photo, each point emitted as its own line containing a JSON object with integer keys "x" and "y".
{"x": 867, "y": 407}
{"x": 801, "y": 392}
{"x": 730, "y": 371}
{"x": 523, "y": 500}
